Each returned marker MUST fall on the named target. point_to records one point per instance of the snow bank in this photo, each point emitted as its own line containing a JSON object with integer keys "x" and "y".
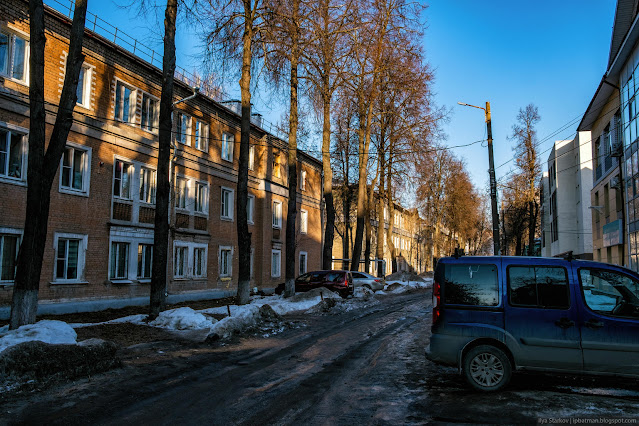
{"x": 182, "y": 319}
{"x": 47, "y": 331}
{"x": 246, "y": 317}
{"x": 396, "y": 287}
{"x": 299, "y": 302}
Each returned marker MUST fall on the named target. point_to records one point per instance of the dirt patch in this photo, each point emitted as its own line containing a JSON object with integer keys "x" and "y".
{"x": 124, "y": 334}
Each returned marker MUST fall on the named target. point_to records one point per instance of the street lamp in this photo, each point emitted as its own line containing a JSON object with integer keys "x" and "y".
{"x": 493, "y": 181}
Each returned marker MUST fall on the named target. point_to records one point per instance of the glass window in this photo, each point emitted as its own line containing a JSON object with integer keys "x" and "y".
{"x": 251, "y": 162}
{"x": 147, "y": 185}
{"x": 4, "y": 52}
{"x": 122, "y": 179}
{"x": 145, "y": 260}
{"x": 303, "y": 221}
{"x": 119, "y": 260}
{"x": 303, "y": 180}
{"x": 201, "y": 136}
{"x": 11, "y": 154}
{"x": 609, "y": 292}
{"x": 538, "y": 286}
{"x": 227, "y": 204}
{"x": 201, "y": 197}
{"x": 180, "y": 262}
{"x": 303, "y": 257}
{"x": 471, "y": 285}
{"x": 83, "y": 91}
{"x": 72, "y": 172}
{"x": 67, "y": 259}
{"x": 276, "y": 262}
{"x": 199, "y": 262}
{"x": 277, "y": 214}
{"x": 9, "y": 245}
{"x": 225, "y": 261}
{"x": 125, "y": 103}
{"x": 181, "y": 192}
{"x": 13, "y": 56}
{"x": 150, "y": 113}
{"x": 227, "y": 146}
{"x": 277, "y": 161}
{"x": 250, "y": 205}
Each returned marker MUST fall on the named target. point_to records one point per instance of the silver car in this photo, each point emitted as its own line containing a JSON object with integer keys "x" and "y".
{"x": 362, "y": 279}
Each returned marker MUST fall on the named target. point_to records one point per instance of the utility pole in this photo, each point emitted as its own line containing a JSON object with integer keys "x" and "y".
{"x": 493, "y": 181}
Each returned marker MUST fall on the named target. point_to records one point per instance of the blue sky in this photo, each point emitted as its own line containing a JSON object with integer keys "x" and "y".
{"x": 510, "y": 53}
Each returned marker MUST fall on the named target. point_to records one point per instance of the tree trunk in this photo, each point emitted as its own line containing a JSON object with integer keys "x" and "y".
{"x": 163, "y": 184}
{"x": 379, "y": 254}
{"x": 369, "y": 228}
{"x": 532, "y": 222}
{"x": 346, "y": 211}
{"x": 43, "y": 166}
{"x": 243, "y": 235}
{"x": 329, "y": 232}
{"x": 291, "y": 218}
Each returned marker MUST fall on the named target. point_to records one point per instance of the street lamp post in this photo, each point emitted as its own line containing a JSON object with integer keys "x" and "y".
{"x": 493, "y": 181}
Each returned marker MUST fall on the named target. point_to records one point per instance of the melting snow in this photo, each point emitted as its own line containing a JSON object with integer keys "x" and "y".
{"x": 47, "y": 331}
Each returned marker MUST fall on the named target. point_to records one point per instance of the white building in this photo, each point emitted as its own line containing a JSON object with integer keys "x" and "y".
{"x": 566, "y": 215}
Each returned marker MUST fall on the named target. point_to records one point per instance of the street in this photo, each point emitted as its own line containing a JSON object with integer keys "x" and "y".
{"x": 365, "y": 365}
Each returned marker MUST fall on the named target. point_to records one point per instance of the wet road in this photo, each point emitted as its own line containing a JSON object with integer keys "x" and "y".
{"x": 365, "y": 365}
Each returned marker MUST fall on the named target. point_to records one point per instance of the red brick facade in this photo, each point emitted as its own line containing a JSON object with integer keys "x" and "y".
{"x": 102, "y": 199}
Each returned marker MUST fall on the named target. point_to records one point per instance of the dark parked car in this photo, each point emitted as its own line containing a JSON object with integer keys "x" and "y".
{"x": 496, "y": 315}
{"x": 338, "y": 281}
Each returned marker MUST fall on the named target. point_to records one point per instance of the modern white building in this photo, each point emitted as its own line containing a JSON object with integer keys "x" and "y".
{"x": 566, "y": 214}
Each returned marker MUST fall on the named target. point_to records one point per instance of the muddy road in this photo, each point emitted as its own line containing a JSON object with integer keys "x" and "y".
{"x": 365, "y": 365}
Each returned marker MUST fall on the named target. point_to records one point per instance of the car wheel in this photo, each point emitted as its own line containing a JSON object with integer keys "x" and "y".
{"x": 368, "y": 287}
{"x": 487, "y": 368}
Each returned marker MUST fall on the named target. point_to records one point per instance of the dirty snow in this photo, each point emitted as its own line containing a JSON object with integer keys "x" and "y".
{"x": 47, "y": 331}
{"x": 182, "y": 319}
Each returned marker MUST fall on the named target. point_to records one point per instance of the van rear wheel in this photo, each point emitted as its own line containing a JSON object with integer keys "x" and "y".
{"x": 487, "y": 368}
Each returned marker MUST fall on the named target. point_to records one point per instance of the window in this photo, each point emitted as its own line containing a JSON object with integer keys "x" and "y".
{"x": 9, "y": 245}
{"x": 610, "y": 292}
{"x": 471, "y": 284}
{"x": 125, "y": 103}
{"x": 303, "y": 180}
{"x": 148, "y": 184}
{"x": 145, "y": 260}
{"x": 150, "y": 113}
{"x": 202, "y": 136}
{"x": 251, "y": 161}
{"x": 181, "y": 192}
{"x": 250, "y": 206}
{"x": 75, "y": 169}
{"x": 538, "y": 287}
{"x": 69, "y": 263}
{"x": 226, "y": 211}
{"x": 277, "y": 172}
{"x": 277, "y": 214}
{"x": 14, "y": 52}
{"x": 199, "y": 262}
{"x": 276, "y": 263}
{"x": 83, "y": 91}
{"x": 183, "y": 134}
{"x": 226, "y": 261}
{"x": 122, "y": 179}
{"x": 180, "y": 261}
{"x": 119, "y": 260}
{"x": 202, "y": 197}
{"x": 303, "y": 221}
{"x": 227, "y": 146}
{"x": 12, "y": 153}
{"x": 303, "y": 257}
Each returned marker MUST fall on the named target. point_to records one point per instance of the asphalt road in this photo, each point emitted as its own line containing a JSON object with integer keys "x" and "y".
{"x": 362, "y": 366}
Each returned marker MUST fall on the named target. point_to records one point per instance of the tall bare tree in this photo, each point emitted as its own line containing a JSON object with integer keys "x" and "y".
{"x": 43, "y": 165}
{"x": 161, "y": 230}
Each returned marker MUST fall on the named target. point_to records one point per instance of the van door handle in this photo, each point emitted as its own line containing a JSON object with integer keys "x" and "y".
{"x": 593, "y": 323}
{"x": 564, "y": 323}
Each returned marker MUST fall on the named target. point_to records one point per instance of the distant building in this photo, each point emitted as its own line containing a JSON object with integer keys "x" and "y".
{"x": 566, "y": 214}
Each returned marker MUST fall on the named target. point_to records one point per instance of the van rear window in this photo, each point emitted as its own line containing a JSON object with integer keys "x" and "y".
{"x": 475, "y": 285}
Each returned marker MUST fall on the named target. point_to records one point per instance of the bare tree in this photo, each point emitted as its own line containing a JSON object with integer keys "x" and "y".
{"x": 43, "y": 165}
{"x": 161, "y": 229}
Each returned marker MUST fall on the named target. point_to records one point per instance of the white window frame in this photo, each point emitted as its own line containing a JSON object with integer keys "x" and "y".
{"x": 181, "y": 245}
{"x": 251, "y": 161}
{"x": 154, "y": 126}
{"x": 133, "y": 102}
{"x": 133, "y": 237}
{"x": 193, "y": 248}
{"x": 12, "y": 35}
{"x": 86, "y": 171}
{"x": 82, "y": 247}
{"x": 276, "y": 268}
{"x": 145, "y": 193}
{"x": 13, "y": 233}
{"x": 126, "y": 278}
{"x": 277, "y": 166}
{"x": 228, "y": 140}
{"x": 86, "y": 84}
{"x": 179, "y": 195}
{"x": 250, "y": 209}
{"x": 277, "y": 215}
{"x": 303, "y": 180}
{"x": 142, "y": 278}
{"x": 201, "y": 136}
{"x": 131, "y": 174}
{"x": 201, "y": 204}
{"x": 303, "y": 222}
{"x": 12, "y": 129}
{"x": 183, "y": 136}
{"x": 229, "y": 272}
{"x": 304, "y": 255}
{"x": 231, "y": 204}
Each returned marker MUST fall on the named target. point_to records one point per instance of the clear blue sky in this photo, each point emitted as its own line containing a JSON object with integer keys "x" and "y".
{"x": 507, "y": 52}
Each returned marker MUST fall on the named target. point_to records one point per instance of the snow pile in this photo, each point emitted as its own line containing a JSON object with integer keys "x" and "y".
{"x": 395, "y": 286}
{"x": 47, "y": 331}
{"x": 246, "y": 317}
{"x": 182, "y": 319}
{"x": 299, "y": 302}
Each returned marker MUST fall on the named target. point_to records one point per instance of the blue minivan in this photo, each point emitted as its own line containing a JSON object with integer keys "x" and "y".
{"x": 495, "y": 315}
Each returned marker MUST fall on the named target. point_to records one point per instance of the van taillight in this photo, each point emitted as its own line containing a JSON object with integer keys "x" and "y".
{"x": 436, "y": 302}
